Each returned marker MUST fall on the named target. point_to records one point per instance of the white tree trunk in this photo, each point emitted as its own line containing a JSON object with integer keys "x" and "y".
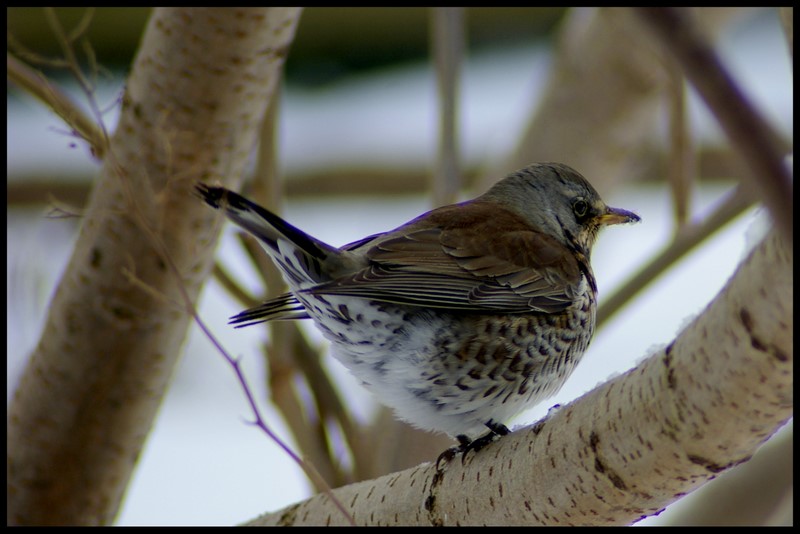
{"x": 626, "y": 449}
{"x": 85, "y": 404}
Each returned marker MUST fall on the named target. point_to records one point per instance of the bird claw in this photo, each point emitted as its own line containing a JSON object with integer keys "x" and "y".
{"x": 447, "y": 455}
{"x": 465, "y": 445}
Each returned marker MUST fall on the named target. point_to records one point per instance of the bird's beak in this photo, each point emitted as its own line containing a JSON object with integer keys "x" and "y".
{"x": 617, "y": 216}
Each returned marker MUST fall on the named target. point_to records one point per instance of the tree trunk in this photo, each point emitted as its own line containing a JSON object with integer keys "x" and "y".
{"x": 87, "y": 399}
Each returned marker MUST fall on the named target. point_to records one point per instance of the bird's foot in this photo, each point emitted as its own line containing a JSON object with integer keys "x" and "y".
{"x": 465, "y": 445}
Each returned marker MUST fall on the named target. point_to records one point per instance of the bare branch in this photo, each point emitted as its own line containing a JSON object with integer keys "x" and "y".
{"x": 681, "y": 164}
{"x": 686, "y": 239}
{"x": 628, "y": 448}
{"x": 753, "y": 137}
{"x": 37, "y": 85}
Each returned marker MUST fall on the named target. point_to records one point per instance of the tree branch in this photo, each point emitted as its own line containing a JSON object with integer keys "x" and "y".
{"x": 626, "y": 449}
{"x": 91, "y": 389}
{"x": 35, "y": 83}
{"x": 759, "y": 145}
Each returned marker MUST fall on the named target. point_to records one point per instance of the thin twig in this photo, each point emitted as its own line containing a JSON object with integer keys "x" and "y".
{"x": 259, "y": 422}
{"x": 86, "y": 85}
{"x": 289, "y": 352}
{"x": 294, "y": 409}
{"x": 35, "y": 84}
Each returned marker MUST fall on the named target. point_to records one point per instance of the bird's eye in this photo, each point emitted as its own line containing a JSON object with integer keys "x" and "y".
{"x": 580, "y": 207}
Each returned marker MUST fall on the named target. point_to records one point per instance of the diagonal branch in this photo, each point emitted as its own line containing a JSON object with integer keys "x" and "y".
{"x": 759, "y": 145}
{"x": 630, "y": 447}
{"x": 35, "y": 83}
{"x": 687, "y": 238}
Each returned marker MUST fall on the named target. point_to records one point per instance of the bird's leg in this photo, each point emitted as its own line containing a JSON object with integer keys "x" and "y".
{"x": 496, "y": 431}
{"x": 449, "y": 454}
{"x": 499, "y": 429}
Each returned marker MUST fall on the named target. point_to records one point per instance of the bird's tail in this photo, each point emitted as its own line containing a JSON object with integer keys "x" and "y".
{"x": 299, "y": 256}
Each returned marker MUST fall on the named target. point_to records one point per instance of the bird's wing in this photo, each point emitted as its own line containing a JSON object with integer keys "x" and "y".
{"x": 479, "y": 260}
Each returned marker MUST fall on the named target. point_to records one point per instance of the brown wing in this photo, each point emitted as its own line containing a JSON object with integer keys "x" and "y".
{"x": 473, "y": 257}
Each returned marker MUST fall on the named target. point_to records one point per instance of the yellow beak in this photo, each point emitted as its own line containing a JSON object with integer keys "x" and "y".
{"x": 617, "y": 216}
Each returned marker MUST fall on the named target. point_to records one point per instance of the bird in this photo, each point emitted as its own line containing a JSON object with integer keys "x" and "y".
{"x": 459, "y": 319}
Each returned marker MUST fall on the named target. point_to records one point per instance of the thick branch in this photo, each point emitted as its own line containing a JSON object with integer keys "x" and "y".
{"x": 88, "y": 396}
{"x": 626, "y": 449}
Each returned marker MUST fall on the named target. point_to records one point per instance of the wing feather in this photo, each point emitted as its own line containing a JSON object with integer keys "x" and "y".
{"x": 481, "y": 259}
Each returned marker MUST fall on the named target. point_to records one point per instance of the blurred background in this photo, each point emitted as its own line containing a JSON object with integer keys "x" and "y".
{"x": 358, "y": 147}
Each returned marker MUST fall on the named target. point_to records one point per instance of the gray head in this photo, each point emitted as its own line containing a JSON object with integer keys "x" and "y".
{"x": 557, "y": 200}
